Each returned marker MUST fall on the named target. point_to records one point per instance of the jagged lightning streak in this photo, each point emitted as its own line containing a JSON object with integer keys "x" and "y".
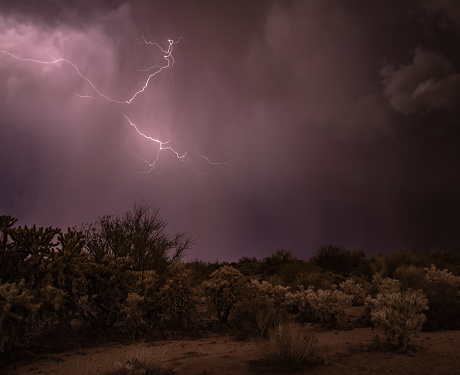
{"x": 162, "y": 145}
{"x": 157, "y": 69}
{"x": 170, "y": 61}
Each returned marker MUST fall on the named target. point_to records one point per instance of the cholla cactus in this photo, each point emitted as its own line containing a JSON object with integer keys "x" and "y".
{"x": 64, "y": 277}
{"x": 137, "y": 306}
{"x": 176, "y": 297}
{"x": 263, "y": 288}
{"x": 385, "y": 284}
{"x": 133, "y": 314}
{"x": 109, "y": 282}
{"x": 433, "y": 275}
{"x": 399, "y": 314}
{"x": 53, "y": 298}
{"x": 223, "y": 291}
{"x": 144, "y": 282}
{"x": 330, "y": 306}
{"x": 443, "y": 292}
{"x": 300, "y": 302}
{"x": 16, "y": 310}
{"x": 350, "y": 288}
{"x": 324, "y": 305}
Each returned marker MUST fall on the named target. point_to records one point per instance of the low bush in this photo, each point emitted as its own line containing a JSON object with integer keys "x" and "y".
{"x": 289, "y": 347}
{"x": 400, "y": 314}
{"x": 16, "y": 314}
{"x": 404, "y": 257}
{"x": 443, "y": 292}
{"x": 200, "y": 270}
{"x": 274, "y": 263}
{"x": 256, "y": 316}
{"x": 224, "y": 289}
{"x": 356, "y": 291}
{"x": 277, "y": 293}
{"x": 384, "y": 285}
{"x": 410, "y": 277}
{"x": 339, "y": 259}
{"x": 137, "y": 309}
{"x": 176, "y": 299}
{"x": 434, "y": 275}
{"x": 322, "y": 305}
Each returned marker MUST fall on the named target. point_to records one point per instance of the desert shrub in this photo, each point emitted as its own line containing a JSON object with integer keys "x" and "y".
{"x": 256, "y": 316}
{"x": 338, "y": 259}
{"x": 404, "y": 257}
{"x": 16, "y": 313}
{"x": 443, "y": 292}
{"x": 300, "y": 273}
{"x": 120, "y": 297}
{"x": 223, "y": 291}
{"x": 312, "y": 278}
{"x": 378, "y": 264}
{"x": 249, "y": 266}
{"x": 109, "y": 284}
{"x": 400, "y": 314}
{"x": 322, "y": 305}
{"x": 356, "y": 291}
{"x": 176, "y": 297}
{"x": 53, "y": 303}
{"x": 298, "y": 303}
{"x": 64, "y": 282}
{"x": 446, "y": 258}
{"x": 264, "y": 288}
{"x": 200, "y": 271}
{"x": 410, "y": 277}
{"x": 139, "y": 309}
{"x": 139, "y": 235}
{"x": 329, "y": 306}
{"x": 384, "y": 285}
{"x": 272, "y": 264}
{"x": 434, "y": 275}
{"x": 133, "y": 314}
{"x": 53, "y": 272}
{"x": 25, "y": 252}
{"x": 288, "y": 346}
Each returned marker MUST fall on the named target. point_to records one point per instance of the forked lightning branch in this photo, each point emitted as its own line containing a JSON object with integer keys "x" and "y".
{"x": 152, "y": 72}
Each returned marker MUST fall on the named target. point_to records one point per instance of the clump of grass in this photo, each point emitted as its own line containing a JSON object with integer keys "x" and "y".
{"x": 144, "y": 361}
{"x": 289, "y": 346}
{"x": 255, "y": 317}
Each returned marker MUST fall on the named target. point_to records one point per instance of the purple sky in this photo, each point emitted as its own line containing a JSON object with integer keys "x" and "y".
{"x": 340, "y": 119}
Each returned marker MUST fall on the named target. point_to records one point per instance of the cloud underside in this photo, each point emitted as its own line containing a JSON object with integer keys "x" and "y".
{"x": 430, "y": 82}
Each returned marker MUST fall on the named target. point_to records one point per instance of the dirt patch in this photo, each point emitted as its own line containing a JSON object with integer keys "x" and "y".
{"x": 342, "y": 352}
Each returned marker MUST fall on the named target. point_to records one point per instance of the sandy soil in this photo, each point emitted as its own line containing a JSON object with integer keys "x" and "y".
{"x": 343, "y": 352}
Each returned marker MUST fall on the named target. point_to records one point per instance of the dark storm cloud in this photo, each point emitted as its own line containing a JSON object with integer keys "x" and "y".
{"x": 55, "y": 13}
{"x": 291, "y": 92}
{"x": 448, "y": 9}
{"x": 429, "y": 82}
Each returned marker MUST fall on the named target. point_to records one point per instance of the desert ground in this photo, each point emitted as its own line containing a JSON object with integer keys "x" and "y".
{"x": 339, "y": 351}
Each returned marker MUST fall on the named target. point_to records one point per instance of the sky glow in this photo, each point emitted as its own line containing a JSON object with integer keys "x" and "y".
{"x": 253, "y": 125}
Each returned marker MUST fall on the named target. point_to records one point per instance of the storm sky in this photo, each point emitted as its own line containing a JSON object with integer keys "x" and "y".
{"x": 340, "y": 120}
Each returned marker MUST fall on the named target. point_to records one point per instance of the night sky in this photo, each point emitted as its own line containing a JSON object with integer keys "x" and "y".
{"x": 340, "y": 119}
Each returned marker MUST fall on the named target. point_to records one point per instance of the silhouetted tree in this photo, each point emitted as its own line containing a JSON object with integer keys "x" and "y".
{"x": 277, "y": 260}
{"x": 339, "y": 259}
{"x": 139, "y": 235}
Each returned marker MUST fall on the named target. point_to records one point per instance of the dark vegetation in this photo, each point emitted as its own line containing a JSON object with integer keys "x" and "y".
{"x": 125, "y": 275}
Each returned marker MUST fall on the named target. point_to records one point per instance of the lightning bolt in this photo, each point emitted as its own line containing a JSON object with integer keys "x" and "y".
{"x": 153, "y": 71}
{"x": 170, "y": 61}
{"x": 163, "y": 145}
